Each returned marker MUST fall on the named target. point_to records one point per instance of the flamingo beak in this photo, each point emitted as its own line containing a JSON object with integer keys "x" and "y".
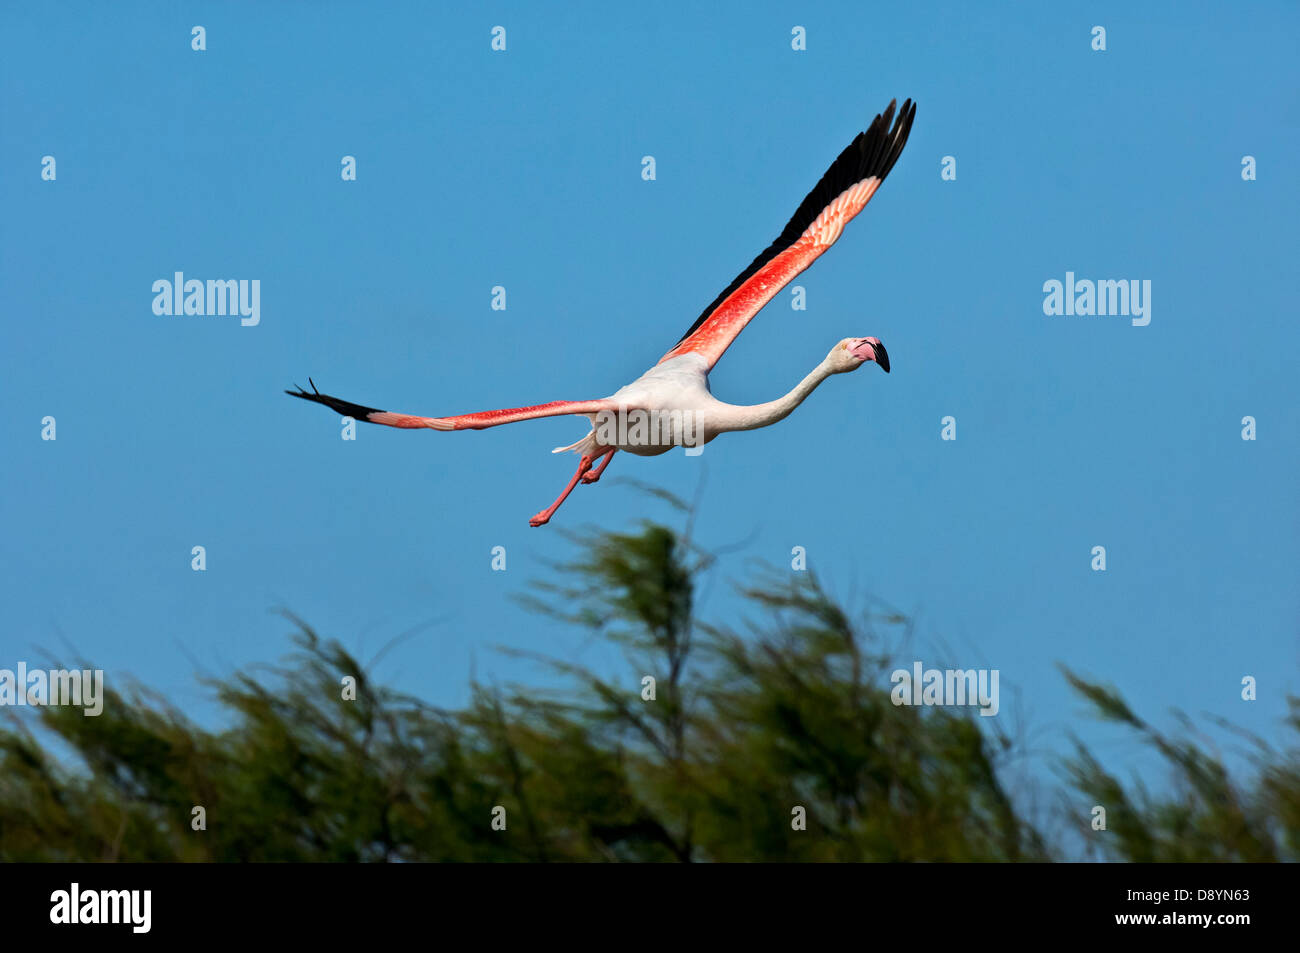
{"x": 882, "y": 356}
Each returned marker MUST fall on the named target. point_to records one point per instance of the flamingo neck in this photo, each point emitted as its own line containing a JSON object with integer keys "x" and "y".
{"x": 762, "y": 415}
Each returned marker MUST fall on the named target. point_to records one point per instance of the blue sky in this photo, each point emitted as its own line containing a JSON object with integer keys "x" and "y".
{"x": 523, "y": 169}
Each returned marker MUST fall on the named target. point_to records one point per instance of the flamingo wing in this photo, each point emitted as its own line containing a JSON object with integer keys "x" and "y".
{"x": 476, "y": 421}
{"x": 841, "y": 194}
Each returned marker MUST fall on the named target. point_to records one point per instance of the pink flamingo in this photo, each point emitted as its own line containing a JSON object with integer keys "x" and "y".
{"x": 670, "y": 405}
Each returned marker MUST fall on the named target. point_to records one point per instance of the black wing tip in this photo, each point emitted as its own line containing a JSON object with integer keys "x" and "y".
{"x": 302, "y": 393}
{"x": 872, "y": 152}
{"x": 897, "y": 137}
{"x": 882, "y": 143}
{"x": 344, "y": 407}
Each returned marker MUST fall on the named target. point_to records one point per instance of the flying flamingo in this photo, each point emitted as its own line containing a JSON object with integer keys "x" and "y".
{"x": 673, "y": 396}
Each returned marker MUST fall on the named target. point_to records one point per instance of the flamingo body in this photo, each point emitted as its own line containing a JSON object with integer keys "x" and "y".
{"x": 677, "y": 384}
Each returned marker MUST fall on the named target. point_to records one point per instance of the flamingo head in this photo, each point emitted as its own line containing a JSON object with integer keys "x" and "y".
{"x": 852, "y": 353}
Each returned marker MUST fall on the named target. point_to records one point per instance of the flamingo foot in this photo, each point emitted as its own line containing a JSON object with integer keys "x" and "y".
{"x": 594, "y": 475}
{"x": 544, "y": 517}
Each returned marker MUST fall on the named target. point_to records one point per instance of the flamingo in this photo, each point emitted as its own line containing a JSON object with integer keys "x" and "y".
{"x": 670, "y": 405}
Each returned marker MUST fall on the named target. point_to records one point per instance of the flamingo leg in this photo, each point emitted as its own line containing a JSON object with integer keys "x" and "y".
{"x": 594, "y": 475}
{"x": 545, "y": 515}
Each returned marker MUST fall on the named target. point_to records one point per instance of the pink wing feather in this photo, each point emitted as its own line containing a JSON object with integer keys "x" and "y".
{"x": 841, "y": 194}
{"x": 475, "y": 421}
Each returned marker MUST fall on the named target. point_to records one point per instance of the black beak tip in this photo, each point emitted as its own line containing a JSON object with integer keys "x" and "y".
{"x": 882, "y": 357}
